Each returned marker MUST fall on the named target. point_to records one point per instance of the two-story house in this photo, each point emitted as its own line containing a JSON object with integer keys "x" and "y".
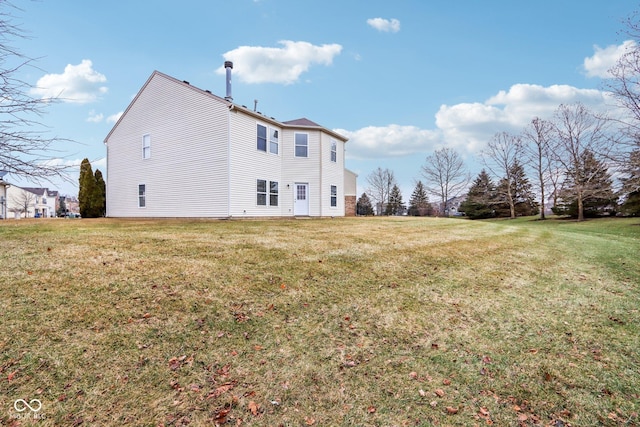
{"x": 31, "y": 202}
{"x": 180, "y": 151}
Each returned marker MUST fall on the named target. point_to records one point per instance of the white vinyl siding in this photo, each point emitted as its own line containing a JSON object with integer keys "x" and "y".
{"x": 247, "y": 165}
{"x": 205, "y": 161}
{"x": 190, "y": 157}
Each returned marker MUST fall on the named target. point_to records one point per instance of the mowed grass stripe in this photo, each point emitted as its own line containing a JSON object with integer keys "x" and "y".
{"x": 366, "y": 321}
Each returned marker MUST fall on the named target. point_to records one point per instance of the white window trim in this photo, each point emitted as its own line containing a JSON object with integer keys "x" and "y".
{"x": 267, "y": 193}
{"x": 295, "y": 145}
{"x": 146, "y": 138}
{"x": 138, "y": 195}
{"x": 333, "y": 152}
{"x": 331, "y": 196}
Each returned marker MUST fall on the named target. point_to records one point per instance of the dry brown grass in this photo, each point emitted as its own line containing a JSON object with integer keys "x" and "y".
{"x": 392, "y": 321}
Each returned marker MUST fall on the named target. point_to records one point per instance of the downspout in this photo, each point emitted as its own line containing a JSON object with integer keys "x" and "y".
{"x": 320, "y": 176}
{"x": 229, "y": 161}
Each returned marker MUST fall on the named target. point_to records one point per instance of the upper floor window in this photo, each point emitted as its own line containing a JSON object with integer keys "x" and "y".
{"x": 44, "y": 201}
{"x": 334, "y": 151}
{"x": 302, "y": 144}
{"x": 334, "y": 196}
{"x": 273, "y": 141}
{"x": 146, "y": 146}
{"x": 262, "y": 138}
{"x": 142, "y": 195}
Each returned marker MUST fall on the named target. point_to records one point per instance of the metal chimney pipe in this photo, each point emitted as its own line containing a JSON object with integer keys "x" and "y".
{"x": 228, "y": 65}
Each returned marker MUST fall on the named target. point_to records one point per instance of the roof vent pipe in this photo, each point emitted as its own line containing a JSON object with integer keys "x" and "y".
{"x": 228, "y": 65}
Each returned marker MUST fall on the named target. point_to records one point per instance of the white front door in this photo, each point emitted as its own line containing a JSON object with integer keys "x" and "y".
{"x": 301, "y": 200}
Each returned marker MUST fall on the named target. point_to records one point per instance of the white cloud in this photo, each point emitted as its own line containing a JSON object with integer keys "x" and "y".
{"x": 386, "y": 25}
{"x": 95, "y": 117}
{"x": 115, "y": 117}
{"x": 77, "y": 84}
{"x": 469, "y": 126}
{"x": 285, "y": 65}
{"x": 389, "y": 141}
{"x": 604, "y": 59}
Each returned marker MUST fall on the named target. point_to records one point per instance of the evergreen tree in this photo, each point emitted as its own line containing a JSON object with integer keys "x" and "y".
{"x": 419, "y": 203}
{"x": 395, "y": 205}
{"x": 631, "y": 205}
{"x": 363, "y": 205}
{"x": 100, "y": 195}
{"x": 481, "y": 198}
{"x": 62, "y": 208}
{"x": 592, "y": 180}
{"x": 87, "y": 190}
{"x": 521, "y": 191}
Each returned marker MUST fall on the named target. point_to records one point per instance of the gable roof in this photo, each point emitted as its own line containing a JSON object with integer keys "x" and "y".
{"x": 297, "y": 123}
{"x": 40, "y": 191}
{"x": 301, "y": 122}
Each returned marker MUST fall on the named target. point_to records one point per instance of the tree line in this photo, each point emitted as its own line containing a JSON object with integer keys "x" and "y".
{"x": 568, "y": 160}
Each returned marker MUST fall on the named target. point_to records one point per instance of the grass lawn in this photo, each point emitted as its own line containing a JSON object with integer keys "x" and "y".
{"x": 354, "y": 321}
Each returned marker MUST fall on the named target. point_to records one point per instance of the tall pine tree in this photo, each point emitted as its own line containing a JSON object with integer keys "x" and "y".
{"x": 481, "y": 198}
{"x": 419, "y": 203}
{"x": 524, "y": 201}
{"x": 92, "y": 192}
{"x": 87, "y": 189}
{"x": 100, "y": 195}
{"x": 395, "y": 205}
{"x": 363, "y": 205}
{"x": 589, "y": 184}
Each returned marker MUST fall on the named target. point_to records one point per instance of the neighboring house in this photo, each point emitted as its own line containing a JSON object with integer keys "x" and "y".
{"x": 31, "y": 202}
{"x": 180, "y": 151}
{"x": 3, "y": 195}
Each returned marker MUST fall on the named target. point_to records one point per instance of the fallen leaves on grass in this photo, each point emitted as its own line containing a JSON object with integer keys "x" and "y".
{"x": 254, "y": 408}
{"x": 177, "y": 362}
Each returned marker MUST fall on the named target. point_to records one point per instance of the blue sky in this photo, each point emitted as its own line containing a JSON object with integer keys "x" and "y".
{"x": 399, "y": 78}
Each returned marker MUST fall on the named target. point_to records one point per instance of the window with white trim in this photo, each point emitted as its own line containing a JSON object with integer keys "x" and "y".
{"x": 273, "y": 193}
{"x": 262, "y": 138}
{"x": 334, "y": 151}
{"x": 334, "y": 196}
{"x": 273, "y": 141}
{"x": 146, "y": 146}
{"x": 142, "y": 195}
{"x": 301, "y": 144}
{"x": 262, "y": 191}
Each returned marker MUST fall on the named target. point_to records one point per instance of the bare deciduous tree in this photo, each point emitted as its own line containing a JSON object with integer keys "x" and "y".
{"x": 579, "y": 133}
{"x": 380, "y": 181}
{"x": 24, "y": 146}
{"x": 446, "y": 176}
{"x": 22, "y": 202}
{"x": 538, "y": 151}
{"x": 501, "y": 154}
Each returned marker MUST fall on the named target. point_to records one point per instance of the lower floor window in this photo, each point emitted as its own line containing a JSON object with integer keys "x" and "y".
{"x": 334, "y": 196}
{"x": 262, "y": 191}
{"x": 142, "y": 195}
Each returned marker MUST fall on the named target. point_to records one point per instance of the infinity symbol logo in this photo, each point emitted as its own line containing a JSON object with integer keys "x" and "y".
{"x": 21, "y": 405}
